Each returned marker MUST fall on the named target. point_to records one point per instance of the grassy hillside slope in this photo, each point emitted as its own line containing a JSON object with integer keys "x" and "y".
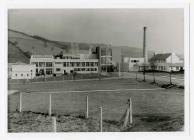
{"x": 29, "y": 44}
{"x": 15, "y": 54}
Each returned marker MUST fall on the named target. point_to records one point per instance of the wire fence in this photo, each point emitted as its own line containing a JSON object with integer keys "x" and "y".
{"x": 67, "y": 103}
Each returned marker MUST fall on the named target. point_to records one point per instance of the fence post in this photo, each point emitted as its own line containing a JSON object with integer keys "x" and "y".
{"x": 50, "y": 104}
{"x": 20, "y": 102}
{"x": 131, "y": 112}
{"x": 101, "y": 119}
{"x": 87, "y": 107}
{"x": 54, "y": 124}
{"x": 128, "y": 116}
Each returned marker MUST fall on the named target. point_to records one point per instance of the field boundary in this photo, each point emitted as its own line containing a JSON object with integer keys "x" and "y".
{"x": 84, "y": 91}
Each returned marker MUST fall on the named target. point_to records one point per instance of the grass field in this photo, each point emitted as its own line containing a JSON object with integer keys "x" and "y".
{"x": 148, "y": 100}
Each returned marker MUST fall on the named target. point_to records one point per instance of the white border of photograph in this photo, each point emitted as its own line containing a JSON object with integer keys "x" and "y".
{"x": 60, "y": 4}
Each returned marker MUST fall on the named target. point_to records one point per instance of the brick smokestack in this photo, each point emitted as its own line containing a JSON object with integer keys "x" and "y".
{"x": 144, "y": 45}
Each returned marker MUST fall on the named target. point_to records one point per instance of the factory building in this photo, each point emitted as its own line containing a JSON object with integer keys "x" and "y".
{"x": 48, "y": 65}
{"x": 167, "y": 62}
{"x": 21, "y": 71}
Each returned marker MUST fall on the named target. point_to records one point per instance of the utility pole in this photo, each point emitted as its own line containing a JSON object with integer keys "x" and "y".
{"x": 171, "y": 71}
{"x": 144, "y": 51}
{"x": 154, "y": 80}
{"x": 99, "y": 64}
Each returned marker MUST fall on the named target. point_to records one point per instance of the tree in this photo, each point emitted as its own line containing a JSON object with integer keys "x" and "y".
{"x": 153, "y": 66}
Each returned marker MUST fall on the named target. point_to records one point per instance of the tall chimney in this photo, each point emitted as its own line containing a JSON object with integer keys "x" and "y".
{"x": 144, "y": 46}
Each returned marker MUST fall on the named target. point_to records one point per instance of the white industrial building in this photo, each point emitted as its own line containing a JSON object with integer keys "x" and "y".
{"x": 21, "y": 71}
{"x": 47, "y": 64}
{"x": 167, "y": 62}
{"x": 134, "y": 63}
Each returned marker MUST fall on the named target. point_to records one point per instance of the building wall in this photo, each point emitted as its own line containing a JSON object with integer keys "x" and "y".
{"x": 134, "y": 63}
{"x": 78, "y": 65}
{"x": 22, "y": 71}
{"x": 175, "y": 59}
{"x": 173, "y": 63}
{"x": 61, "y": 66}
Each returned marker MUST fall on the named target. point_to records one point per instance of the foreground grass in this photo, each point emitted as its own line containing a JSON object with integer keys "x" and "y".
{"x": 153, "y": 110}
{"x": 39, "y": 122}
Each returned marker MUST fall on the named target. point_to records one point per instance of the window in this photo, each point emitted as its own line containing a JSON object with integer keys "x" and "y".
{"x": 103, "y": 51}
{"x": 72, "y": 64}
{"x": 36, "y": 71}
{"x": 36, "y": 63}
{"x": 58, "y": 63}
{"x": 83, "y": 64}
{"x": 27, "y": 75}
{"x": 41, "y": 64}
{"x": 67, "y": 64}
{"x": 87, "y": 64}
{"x": 78, "y": 64}
{"x": 103, "y": 60}
{"x": 16, "y": 75}
{"x": 21, "y": 74}
{"x": 49, "y": 71}
{"x": 92, "y": 64}
{"x": 64, "y": 64}
{"x": 58, "y": 69}
{"x": 49, "y": 64}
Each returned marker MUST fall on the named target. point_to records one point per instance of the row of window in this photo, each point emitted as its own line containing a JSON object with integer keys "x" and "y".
{"x": 85, "y": 69}
{"x": 162, "y": 67}
{"x": 177, "y": 68}
{"x": 43, "y": 64}
{"x": 22, "y": 75}
{"x": 78, "y": 64}
{"x": 106, "y": 60}
{"x": 42, "y": 71}
{"x": 80, "y": 69}
{"x": 66, "y": 64}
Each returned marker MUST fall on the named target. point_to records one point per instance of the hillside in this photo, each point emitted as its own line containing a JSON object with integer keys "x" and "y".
{"x": 15, "y": 54}
{"x": 26, "y": 44}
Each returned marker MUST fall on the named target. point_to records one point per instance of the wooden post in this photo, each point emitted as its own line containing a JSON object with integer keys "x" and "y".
{"x": 50, "y": 104}
{"x": 128, "y": 115}
{"x": 54, "y": 124}
{"x": 87, "y": 107}
{"x": 119, "y": 70}
{"x": 101, "y": 119}
{"x": 131, "y": 112}
{"x": 126, "y": 118}
{"x": 20, "y": 102}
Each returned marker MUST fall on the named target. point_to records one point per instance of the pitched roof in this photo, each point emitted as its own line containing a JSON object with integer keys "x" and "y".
{"x": 160, "y": 56}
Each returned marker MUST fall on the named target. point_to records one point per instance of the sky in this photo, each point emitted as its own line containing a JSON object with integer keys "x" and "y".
{"x": 118, "y": 27}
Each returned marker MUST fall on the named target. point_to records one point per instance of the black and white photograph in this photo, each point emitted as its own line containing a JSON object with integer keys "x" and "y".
{"x": 96, "y": 70}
